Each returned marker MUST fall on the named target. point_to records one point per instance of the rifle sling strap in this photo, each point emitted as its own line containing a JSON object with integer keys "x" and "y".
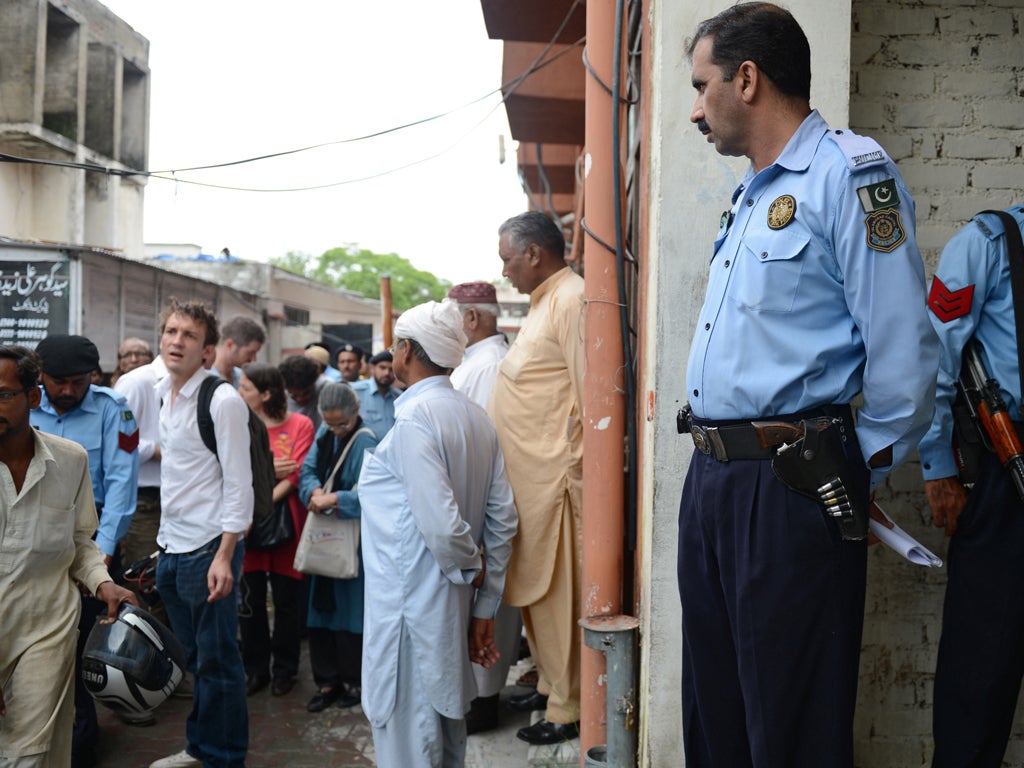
{"x": 1015, "y": 255}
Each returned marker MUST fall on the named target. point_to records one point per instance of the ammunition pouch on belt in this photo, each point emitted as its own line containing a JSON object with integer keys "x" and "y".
{"x": 816, "y": 466}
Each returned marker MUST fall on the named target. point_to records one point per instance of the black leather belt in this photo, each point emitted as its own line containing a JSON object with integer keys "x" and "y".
{"x": 737, "y": 440}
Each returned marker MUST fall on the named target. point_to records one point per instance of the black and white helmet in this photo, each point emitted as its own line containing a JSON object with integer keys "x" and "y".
{"x": 132, "y": 664}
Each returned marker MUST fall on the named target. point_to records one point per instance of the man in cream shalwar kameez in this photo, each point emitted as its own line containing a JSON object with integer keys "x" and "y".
{"x": 537, "y": 412}
{"x": 434, "y": 495}
{"x": 47, "y": 518}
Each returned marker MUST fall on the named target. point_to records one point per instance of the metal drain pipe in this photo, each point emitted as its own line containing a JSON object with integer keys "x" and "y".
{"x": 615, "y": 637}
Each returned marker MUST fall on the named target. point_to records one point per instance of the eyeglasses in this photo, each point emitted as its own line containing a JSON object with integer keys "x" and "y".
{"x": 4, "y": 396}
{"x": 343, "y": 426}
{"x": 136, "y": 355}
{"x": 396, "y": 345}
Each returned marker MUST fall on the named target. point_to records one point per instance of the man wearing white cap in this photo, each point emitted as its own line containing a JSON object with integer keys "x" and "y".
{"x": 434, "y": 496}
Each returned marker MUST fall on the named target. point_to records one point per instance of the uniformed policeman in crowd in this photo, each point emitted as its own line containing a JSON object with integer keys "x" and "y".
{"x": 981, "y": 651}
{"x": 815, "y": 294}
{"x": 99, "y": 419}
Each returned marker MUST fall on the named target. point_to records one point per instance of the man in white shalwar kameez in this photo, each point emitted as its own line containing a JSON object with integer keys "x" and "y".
{"x": 434, "y": 497}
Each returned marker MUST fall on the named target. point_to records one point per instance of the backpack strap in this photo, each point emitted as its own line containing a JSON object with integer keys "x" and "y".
{"x": 1015, "y": 255}
{"x": 203, "y": 417}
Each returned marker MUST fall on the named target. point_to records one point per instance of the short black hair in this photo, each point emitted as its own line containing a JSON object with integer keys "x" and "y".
{"x": 762, "y": 33}
{"x": 27, "y": 362}
{"x": 299, "y": 372}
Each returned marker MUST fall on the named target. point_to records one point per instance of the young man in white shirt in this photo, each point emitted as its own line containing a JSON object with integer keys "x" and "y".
{"x": 206, "y": 507}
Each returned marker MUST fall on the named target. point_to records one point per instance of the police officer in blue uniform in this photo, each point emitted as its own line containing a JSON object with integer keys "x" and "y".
{"x": 377, "y": 395}
{"x": 981, "y": 651}
{"x": 99, "y": 419}
{"x": 815, "y": 295}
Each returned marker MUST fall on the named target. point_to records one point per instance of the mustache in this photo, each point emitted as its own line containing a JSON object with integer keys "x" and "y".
{"x": 702, "y": 126}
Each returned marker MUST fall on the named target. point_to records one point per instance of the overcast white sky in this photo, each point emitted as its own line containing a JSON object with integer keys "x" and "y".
{"x": 233, "y": 79}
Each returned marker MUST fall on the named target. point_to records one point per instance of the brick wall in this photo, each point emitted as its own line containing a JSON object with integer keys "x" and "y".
{"x": 941, "y": 86}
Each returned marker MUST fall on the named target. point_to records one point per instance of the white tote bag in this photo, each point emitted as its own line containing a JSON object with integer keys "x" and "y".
{"x": 329, "y": 546}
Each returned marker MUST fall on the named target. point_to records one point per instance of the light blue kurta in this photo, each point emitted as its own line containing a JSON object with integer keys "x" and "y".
{"x": 432, "y": 493}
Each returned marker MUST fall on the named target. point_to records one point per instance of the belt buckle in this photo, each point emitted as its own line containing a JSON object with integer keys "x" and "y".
{"x": 701, "y": 441}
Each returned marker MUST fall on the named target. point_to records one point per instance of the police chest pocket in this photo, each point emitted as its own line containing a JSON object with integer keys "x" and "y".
{"x": 55, "y": 527}
{"x": 768, "y": 271}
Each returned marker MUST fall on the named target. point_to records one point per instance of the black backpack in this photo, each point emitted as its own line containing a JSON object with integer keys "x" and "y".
{"x": 260, "y": 455}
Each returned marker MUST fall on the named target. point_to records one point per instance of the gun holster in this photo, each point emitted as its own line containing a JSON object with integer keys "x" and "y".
{"x": 816, "y": 466}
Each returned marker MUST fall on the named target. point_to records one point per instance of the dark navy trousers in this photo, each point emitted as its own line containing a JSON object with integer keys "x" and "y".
{"x": 773, "y": 609}
{"x": 981, "y": 652}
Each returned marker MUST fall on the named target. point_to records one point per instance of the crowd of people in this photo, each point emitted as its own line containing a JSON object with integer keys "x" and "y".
{"x": 461, "y": 457}
{"x": 420, "y": 635}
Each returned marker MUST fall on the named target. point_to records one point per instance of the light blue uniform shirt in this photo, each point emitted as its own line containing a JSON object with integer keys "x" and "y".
{"x": 808, "y": 313}
{"x": 377, "y": 410}
{"x": 103, "y": 424}
{"x": 971, "y": 297}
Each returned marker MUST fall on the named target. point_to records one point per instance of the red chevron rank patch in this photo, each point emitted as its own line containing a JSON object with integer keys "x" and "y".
{"x": 128, "y": 443}
{"x": 949, "y": 305}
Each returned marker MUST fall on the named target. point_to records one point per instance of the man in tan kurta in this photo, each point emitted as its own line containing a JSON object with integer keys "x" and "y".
{"x": 47, "y": 518}
{"x": 536, "y": 407}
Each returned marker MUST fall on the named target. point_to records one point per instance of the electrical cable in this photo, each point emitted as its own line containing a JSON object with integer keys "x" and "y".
{"x": 512, "y": 85}
{"x": 627, "y": 353}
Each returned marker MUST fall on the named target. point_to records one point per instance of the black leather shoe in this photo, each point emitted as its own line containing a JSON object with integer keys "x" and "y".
{"x": 482, "y": 715}
{"x": 255, "y": 684}
{"x": 543, "y": 732}
{"x": 282, "y": 685}
{"x": 528, "y": 702}
{"x": 323, "y": 699}
{"x": 348, "y": 696}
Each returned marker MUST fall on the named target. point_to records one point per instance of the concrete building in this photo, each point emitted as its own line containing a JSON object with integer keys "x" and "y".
{"x": 74, "y": 88}
{"x": 940, "y": 85}
{"x": 74, "y": 121}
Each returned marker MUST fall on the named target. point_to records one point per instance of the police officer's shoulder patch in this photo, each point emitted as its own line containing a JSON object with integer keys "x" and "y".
{"x": 860, "y": 151}
{"x": 885, "y": 230}
{"x": 991, "y": 226}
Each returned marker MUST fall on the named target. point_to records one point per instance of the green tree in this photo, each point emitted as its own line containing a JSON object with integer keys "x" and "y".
{"x": 360, "y": 270}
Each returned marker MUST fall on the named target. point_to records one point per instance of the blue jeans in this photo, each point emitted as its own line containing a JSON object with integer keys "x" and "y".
{"x": 217, "y": 729}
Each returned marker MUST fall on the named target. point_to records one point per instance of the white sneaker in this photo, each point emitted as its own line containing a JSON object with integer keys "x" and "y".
{"x": 181, "y": 760}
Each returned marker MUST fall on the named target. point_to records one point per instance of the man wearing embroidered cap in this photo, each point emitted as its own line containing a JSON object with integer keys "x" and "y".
{"x": 98, "y": 419}
{"x": 485, "y": 349}
{"x": 815, "y": 296}
{"x": 435, "y": 499}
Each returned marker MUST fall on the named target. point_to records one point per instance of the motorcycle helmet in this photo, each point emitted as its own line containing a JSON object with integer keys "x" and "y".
{"x": 133, "y": 664}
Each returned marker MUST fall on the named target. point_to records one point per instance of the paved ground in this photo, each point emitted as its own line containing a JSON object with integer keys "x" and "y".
{"x": 282, "y": 733}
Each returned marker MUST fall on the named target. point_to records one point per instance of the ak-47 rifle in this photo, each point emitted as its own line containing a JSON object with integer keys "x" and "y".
{"x": 990, "y": 415}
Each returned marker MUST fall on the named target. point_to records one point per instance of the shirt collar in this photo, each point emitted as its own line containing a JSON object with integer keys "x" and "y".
{"x": 88, "y": 403}
{"x": 549, "y": 284}
{"x": 799, "y": 150}
{"x": 409, "y": 395}
{"x": 472, "y": 349}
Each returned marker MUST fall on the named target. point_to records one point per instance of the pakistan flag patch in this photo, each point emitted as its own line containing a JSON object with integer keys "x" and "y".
{"x": 877, "y": 197}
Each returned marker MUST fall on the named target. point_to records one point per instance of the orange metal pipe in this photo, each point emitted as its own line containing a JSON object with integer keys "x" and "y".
{"x": 385, "y": 305}
{"x": 603, "y": 391}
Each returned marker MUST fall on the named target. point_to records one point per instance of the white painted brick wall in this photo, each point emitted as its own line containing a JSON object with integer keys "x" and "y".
{"x": 940, "y": 84}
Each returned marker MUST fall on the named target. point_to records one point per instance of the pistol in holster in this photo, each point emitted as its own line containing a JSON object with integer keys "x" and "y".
{"x": 811, "y": 460}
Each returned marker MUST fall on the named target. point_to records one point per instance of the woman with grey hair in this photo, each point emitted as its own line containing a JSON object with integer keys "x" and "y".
{"x": 335, "y": 618}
